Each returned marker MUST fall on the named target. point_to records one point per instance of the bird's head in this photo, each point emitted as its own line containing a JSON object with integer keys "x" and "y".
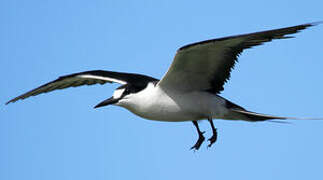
{"x": 121, "y": 95}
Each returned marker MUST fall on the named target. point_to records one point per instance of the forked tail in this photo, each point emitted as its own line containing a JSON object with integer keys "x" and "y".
{"x": 253, "y": 116}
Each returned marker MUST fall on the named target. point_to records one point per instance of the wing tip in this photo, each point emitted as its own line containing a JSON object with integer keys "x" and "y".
{"x": 13, "y": 100}
{"x": 298, "y": 28}
{"x": 315, "y": 23}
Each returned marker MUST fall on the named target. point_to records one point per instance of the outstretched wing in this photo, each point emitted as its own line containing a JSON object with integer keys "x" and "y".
{"x": 207, "y": 65}
{"x": 87, "y": 78}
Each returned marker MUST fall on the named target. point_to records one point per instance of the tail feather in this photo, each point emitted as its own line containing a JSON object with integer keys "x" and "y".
{"x": 252, "y": 116}
{"x": 248, "y": 115}
{"x": 244, "y": 114}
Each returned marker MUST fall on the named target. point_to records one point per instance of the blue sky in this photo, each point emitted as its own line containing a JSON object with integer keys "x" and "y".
{"x": 60, "y": 136}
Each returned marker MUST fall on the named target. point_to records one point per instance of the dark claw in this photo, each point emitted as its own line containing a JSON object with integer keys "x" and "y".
{"x": 213, "y": 138}
{"x": 199, "y": 141}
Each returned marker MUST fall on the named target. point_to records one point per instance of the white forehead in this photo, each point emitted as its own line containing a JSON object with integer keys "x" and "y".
{"x": 118, "y": 93}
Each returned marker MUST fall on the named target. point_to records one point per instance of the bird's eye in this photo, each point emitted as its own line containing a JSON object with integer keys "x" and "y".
{"x": 126, "y": 91}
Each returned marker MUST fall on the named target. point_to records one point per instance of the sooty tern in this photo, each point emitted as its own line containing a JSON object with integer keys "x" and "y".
{"x": 188, "y": 91}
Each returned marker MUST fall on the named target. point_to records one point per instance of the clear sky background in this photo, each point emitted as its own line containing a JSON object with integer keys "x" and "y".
{"x": 60, "y": 136}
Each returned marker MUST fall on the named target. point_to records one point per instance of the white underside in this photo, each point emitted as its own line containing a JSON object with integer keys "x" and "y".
{"x": 155, "y": 103}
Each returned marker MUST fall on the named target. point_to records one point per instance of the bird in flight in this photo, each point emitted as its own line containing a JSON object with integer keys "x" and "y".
{"x": 189, "y": 91}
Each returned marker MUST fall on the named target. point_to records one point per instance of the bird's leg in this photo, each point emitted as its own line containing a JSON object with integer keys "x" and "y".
{"x": 215, "y": 133}
{"x": 201, "y": 137}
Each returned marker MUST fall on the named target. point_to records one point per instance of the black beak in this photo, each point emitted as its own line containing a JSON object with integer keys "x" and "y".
{"x": 106, "y": 102}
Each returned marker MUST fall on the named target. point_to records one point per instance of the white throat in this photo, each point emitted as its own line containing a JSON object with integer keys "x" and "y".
{"x": 118, "y": 93}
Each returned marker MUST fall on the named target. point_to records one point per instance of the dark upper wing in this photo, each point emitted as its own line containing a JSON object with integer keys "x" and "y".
{"x": 207, "y": 65}
{"x": 87, "y": 78}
